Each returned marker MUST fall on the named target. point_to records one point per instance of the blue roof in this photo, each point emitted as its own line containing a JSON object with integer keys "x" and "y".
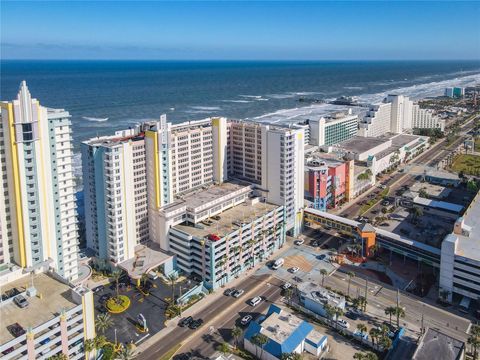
{"x": 289, "y": 345}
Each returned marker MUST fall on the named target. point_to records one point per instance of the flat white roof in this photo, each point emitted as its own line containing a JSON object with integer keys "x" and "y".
{"x": 469, "y": 246}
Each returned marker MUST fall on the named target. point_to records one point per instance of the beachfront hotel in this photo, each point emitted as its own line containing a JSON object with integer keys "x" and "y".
{"x": 38, "y": 217}
{"x": 330, "y": 130}
{"x": 426, "y": 119}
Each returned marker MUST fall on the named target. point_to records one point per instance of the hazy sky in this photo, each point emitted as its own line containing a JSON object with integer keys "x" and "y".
{"x": 240, "y": 30}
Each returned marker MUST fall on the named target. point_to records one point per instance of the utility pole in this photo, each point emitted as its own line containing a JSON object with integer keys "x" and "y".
{"x": 422, "y": 331}
{"x": 366, "y": 290}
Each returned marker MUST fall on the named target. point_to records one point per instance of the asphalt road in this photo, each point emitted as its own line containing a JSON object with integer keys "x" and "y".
{"x": 379, "y": 297}
{"x": 191, "y": 337}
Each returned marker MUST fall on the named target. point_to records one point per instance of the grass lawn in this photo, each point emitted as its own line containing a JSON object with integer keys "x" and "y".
{"x": 469, "y": 164}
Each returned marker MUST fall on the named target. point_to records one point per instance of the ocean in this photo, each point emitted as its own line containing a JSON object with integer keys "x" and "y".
{"x": 128, "y": 92}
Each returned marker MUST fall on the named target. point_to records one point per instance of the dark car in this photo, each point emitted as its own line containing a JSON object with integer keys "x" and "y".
{"x": 103, "y": 299}
{"x": 185, "y": 321}
{"x": 228, "y": 292}
{"x": 195, "y": 324}
{"x": 352, "y": 315}
{"x": 16, "y": 329}
{"x": 98, "y": 289}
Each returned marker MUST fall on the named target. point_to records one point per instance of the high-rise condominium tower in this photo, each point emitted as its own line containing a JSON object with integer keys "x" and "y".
{"x": 38, "y": 218}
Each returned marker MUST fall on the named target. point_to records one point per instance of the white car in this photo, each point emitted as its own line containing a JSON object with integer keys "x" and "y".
{"x": 153, "y": 275}
{"x": 286, "y": 286}
{"x": 294, "y": 269}
{"x": 255, "y": 301}
{"x": 342, "y": 323}
{"x": 246, "y": 320}
{"x": 299, "y": 242}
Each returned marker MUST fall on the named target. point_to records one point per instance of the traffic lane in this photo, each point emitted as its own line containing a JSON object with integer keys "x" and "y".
{"x": 159, "y": 348}
{"x": 381, "y": 297}
{"x": 205, "y": 343}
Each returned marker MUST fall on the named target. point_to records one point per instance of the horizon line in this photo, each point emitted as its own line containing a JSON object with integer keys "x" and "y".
{"x": 242, "y": 60}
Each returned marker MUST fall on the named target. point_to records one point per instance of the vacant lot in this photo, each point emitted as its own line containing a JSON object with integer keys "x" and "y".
{"x": 469, "y": 164}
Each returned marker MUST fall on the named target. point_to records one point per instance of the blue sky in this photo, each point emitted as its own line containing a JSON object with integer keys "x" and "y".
{"x": 240, "y": 30}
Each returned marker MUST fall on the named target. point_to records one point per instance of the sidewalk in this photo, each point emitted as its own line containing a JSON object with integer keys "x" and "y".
{"x": 207, "y": 301}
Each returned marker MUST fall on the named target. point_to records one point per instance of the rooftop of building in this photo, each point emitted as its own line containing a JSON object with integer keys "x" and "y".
{"x": 316, "y": 158}
{"x": 207, "y": 194}
{"x": 146, "y": 259}
{"x": 469, "y": 245}
{"x": 113, "y": 140}
{"x": 360, "y": 144}
{"x": 436, "y": 345}
{"x": 320, "y": 294}
{"x": 52, "y": 297}
{"x": 442, "y": 175}
{"x": 228, "y": 220}
{"x": 280, "y": 326}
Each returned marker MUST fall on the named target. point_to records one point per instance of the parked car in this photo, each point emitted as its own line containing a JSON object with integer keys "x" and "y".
{"x": 152, "y": 275}
{"x": 294, "y": 269}
{"x": 246, "y": 320}
{"x": 343, "y": 323}
{"x": 255, "y": 301}
{"x": 237, "y": 293}
{"x": 352, "y": 315}
{"x": 195, "y": 324}
{"x": 286, "y": 286}
{"x": 20, "y": 301}
{"x": 185, "y": 321}
{"x": 322, "y": 257}
{"x": 98, "y": 289}
{"x": 299, "y": 242}
{"x": 228, "y": 292}
{"x": 16, "y": 329}
{"x": 183, "y": 356}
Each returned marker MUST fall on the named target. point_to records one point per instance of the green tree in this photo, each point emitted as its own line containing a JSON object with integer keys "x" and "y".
{"x": 416, "y": 212}
{"x": 116, "y": 274}
{"x": 338, "y": 313}
{"x": 350, "y": 275}
{"x": 359, "y": 356}
{"x": 125, "y": 354}
{"x": 474, "y": 339}
{"x": 323, "y": 272}
{"x": 58, "y": 356}
{"x": 374, "y": 334}
{"x": 224, "y": 348}
{"x": 291, "y": 356}
{"x": 390, "y": 311}
{"x": 172, "y": 279}
{"x": 259, "y": 340}
{"x": 329, "y": 311}
{"x": 289, "y": 295}
{"x": 103, "y": 322}
{"x": 362, "y": 328}
{"x": 399, "y": 313}
{"x": 236, "y": 333}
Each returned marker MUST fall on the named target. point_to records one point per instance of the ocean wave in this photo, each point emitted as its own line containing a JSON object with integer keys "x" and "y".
{"x": 94, "y": 119}
{"x": 353, "y": 87}
{"x": 206, "y": 108}
{"x": 238, "y": 101}
{"x": 251, "y": 96}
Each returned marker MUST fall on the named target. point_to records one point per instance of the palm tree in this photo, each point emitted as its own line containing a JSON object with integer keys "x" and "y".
{"x": 385, "y": 342}
{"x": 370, "y": 356}
{"x": 259, "y": 340}
{"x": 363, "y": 303}
{"x": 172, "y": 278}
{"x": 58, "y": 356}
{"x": 236, "y": 333}
{"x": 289, "y": 295}
{"x": 374, "y": 333}
{"x": 390, "y": 311}
{"x": 338, "y": 313}
{"x": 416, "y": 212}
{"x": 116, "y": 277}
{"x": 224, "y": 348}
{"x": 125, "y": 354}
{"x": 103, "y": 322}
{"x": 291, "y": 356}
{"x": 400, "y": 313}
{"x": 362, "y": 328}
{"x": 323, "y": 272}
{"x": 329, "y": 311}
{"x": 350, "y": 275}
{"x": 474, "y": 342}
{"x": 359, "y": 356}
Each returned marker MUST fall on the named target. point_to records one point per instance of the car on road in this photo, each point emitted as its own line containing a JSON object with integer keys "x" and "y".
{"x": 16, "y": 329}
{"x": 185, "y": 321}
{"x": 98, "y": 289}
{"x": 195, "y": 324}
{"x": 21, "y": 301}
{"x": 246, "y": 320}
{"x": 297, "y": 279}
{"x": 322, "y": 257}
{"x": 255, "y": 301}
{"x": 237, "y": 293}
{"x": 353, "y": 314}
{"x": 294, "y": 269}
{"x": 299, "y": 242}
{"x": 343, "y": 323}
{"x": 277, "y": 264}
{"x": 286, "y": 286}
{"x": 228, "y": 292}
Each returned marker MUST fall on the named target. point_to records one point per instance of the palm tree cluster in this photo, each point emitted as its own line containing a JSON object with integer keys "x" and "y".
{"x": 291, "y": 356}
{"x": 395, "y": 311}
{"x": 260, "y": 341}
{"x": 360, "y": 303}
{"x": 380, "y": 337}
{"x": 474, "y": 340}
{"x": 103, "y": 322}
{"x": 365, "y": 356}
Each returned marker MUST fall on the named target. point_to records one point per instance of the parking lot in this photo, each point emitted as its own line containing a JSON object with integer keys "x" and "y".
{"x": 308, "y": 261}
{"x": 151, "y": 306}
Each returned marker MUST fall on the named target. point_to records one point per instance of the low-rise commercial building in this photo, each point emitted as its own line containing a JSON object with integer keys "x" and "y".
{"x": 436, "y": 345}
{"x": 58, "y": 319}
{"x": 286, "y": 333}
{"x": 314, "y": 298}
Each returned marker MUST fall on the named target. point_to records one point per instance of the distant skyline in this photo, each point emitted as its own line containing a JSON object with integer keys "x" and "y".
{"x": 226, "y": 30}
